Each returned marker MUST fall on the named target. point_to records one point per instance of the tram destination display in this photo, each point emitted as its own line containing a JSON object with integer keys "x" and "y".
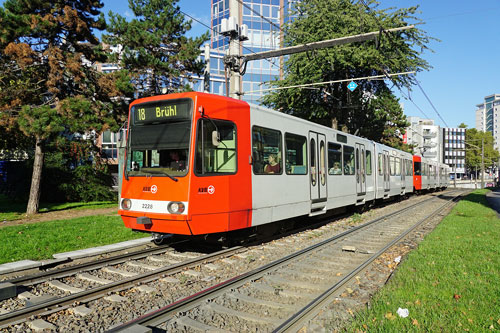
{"x": 161, "y": 112}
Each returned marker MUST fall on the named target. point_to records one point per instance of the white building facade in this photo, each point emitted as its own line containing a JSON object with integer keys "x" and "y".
{"x": 427, "y": 137}
{"x": 454, "y": 150}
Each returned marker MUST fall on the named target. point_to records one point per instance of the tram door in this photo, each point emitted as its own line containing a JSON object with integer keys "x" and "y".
{"x": 360, "y": 169}
{"x": 317, "y": 167}
{"x": 387, "y": 177}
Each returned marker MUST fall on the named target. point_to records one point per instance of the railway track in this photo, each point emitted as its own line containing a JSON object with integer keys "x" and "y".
{"x": 284, "y": 294}
{"x": 76, "y": 290}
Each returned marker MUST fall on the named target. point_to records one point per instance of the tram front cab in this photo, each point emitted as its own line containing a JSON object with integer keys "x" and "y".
{"x": 187, "y": 165}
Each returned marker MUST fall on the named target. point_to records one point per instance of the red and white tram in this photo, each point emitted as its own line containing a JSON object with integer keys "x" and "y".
{"x": 198, "y": 163}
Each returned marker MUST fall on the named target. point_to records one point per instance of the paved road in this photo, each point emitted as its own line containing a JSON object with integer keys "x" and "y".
{"x": 494, "y": 200}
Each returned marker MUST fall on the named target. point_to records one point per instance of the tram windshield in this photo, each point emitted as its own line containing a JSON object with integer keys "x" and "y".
{"x": 418, "y": 168}
{"x": 159, "y": 137}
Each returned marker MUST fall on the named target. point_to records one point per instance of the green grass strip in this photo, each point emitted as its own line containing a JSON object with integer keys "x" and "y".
{"x": 451, "y": 283}
{"x": 41, "y": 240}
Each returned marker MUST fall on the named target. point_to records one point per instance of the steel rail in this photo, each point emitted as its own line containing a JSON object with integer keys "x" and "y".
{"x": 167, "y": 312}
{"x": 69, "y": 270}
{"x": 308, "y": 312}
{"x": 58, "y": 304}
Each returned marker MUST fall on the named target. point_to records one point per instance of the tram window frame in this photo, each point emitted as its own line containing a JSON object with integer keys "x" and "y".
{"x": 334, "y": 156}
{"x": 417, "y": 168}
{"x": 292, "y": 143}
{"x": 214, "y": 153}
{"x": 349, "y": 158}
{"x": 368, "y": 162}
{"x": 322, "y": 162}
{"x": 261, "y": 150}
{"x": 341, "y": 138}
{"x": 380, "y": 164}
{"x": 392, "y": 165}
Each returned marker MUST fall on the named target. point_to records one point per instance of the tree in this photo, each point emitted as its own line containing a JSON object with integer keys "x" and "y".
{"x": 155, "y": 50}
{"x": 462, "y": 125}
{"x": 474, "y": 140}
{"x": 371, "y": 110}
{"x": 47, "y": 83}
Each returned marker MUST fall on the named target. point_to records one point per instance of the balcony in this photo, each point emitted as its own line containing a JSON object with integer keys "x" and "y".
{"x": 429, "y": 134}
{"x": 430, "y": 144}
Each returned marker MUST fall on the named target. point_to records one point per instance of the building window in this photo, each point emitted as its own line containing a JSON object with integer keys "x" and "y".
{"x": 109, "y": 147}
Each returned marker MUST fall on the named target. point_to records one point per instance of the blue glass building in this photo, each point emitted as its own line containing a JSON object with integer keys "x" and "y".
{"x": 264, "y": 19}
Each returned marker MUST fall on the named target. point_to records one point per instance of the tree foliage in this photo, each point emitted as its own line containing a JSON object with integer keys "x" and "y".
{"x": 474, "y": 142}
{"x": 155, "y": 51}
{"x": 47, "y": 82}
{"x": 371, "y": 110}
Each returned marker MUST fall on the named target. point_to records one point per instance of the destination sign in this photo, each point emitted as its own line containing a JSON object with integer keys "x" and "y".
{"x": 163, "y": 111}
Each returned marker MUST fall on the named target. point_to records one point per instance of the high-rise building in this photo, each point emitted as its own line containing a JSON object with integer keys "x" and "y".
{"x": 264, "y": 19}
{"x": 487, "y": 115}
{"x": 454, "y": 150}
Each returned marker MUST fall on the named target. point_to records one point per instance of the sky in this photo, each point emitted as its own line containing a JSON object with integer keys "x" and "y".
{"x": 466, "y": 60}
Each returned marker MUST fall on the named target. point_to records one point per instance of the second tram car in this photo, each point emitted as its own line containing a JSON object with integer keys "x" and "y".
{"x": 198, "y": 163}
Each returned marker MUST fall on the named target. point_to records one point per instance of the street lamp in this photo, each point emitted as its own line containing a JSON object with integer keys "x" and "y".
{"x": 482, "y": 159}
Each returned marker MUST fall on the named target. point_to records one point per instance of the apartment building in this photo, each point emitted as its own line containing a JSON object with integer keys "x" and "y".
{"x": 454, "y": 150}
{"x": 487, "y": 115}
{"x": 427, "y": 137}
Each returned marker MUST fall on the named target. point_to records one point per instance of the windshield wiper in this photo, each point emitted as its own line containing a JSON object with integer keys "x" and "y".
{"x": 154, "y": 172}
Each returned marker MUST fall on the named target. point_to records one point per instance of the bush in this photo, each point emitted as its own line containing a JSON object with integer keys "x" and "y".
{"x": 89, "y": 183}
{"x": 70, "y": 174}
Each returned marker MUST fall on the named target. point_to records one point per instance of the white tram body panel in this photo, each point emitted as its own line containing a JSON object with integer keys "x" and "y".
{"x": 309, "y": 183}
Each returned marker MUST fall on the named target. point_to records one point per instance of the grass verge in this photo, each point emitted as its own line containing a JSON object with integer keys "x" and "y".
{"x": 41, "y": 240}
{"x": 450, "y": 283}
{"x": 10, "y": 210}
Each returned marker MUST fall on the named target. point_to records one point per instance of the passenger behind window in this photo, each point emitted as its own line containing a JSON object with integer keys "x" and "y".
{"x": 176, "y": 162}
{"x": 336, "y": 170}
{"x": 273, "y": 165}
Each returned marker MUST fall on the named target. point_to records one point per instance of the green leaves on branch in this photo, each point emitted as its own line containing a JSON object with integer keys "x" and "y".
{"x": 474, "y": 142}
{"x": 155, "y": 51}
{"x": 371, "y": 110}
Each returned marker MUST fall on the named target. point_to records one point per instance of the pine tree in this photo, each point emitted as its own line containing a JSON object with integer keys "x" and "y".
{"x": 47, "y": 82}
{"x": 155, "y": 51}
{"x": 371, "y": 110}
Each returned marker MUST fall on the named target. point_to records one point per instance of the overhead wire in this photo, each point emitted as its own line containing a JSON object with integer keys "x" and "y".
{"x": 218, "y": 33}
{"x": 400, "y": 90}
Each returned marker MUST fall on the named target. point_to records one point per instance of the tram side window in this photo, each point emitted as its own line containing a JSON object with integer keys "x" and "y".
{"x": 213, "y": 159}
{"x": 380, "y": 164}
{"x": 368, "y": 162}
{"x": 267, "y": 156}
{"x": 296, "y": 154}
{"x": 398, "y": 166}
{"x": 409, "y": 170}
{"x": 334, "y": 159}
{"x": 392, "y": 165}
{"x": 349, "y": 160}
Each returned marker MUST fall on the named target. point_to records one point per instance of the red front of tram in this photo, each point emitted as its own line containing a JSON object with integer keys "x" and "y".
{"x": 187, "y": 167}
{"x": 417, "y": 173}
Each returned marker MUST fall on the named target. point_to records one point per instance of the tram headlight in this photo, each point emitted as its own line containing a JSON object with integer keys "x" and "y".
{"x": 126, "y": 204}
{"x": 176, "y": 207}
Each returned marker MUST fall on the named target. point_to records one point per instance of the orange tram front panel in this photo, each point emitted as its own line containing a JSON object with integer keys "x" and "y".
{"x": 214, "y": 192}
{"x": 417, "y": 172}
